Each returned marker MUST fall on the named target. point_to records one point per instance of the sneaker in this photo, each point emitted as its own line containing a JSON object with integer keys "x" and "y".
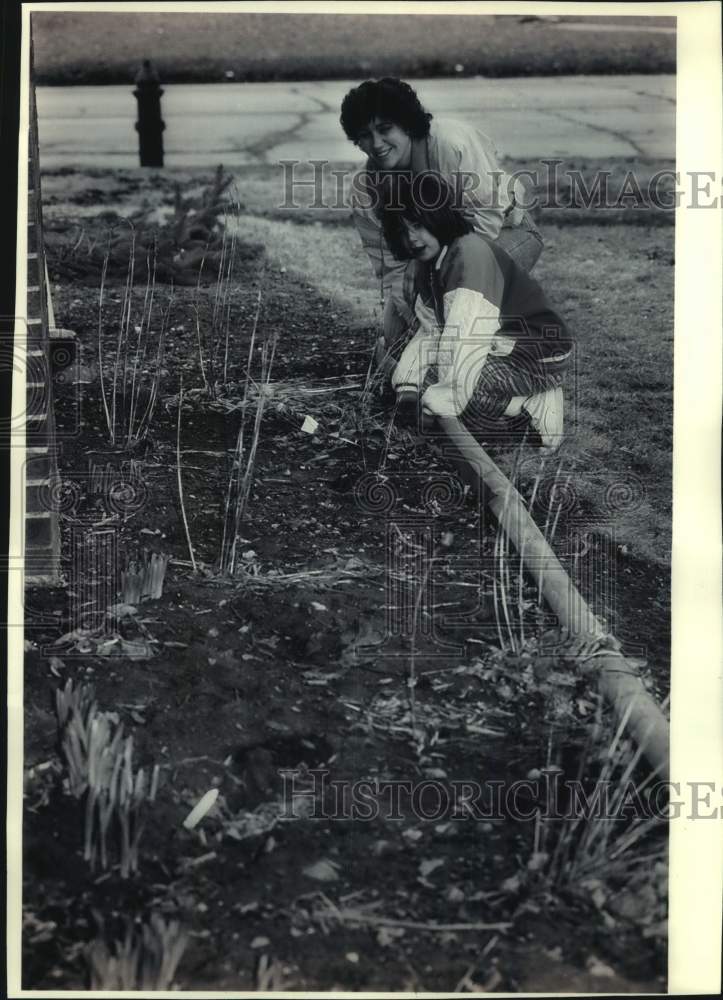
{"x": 545, "y": 411}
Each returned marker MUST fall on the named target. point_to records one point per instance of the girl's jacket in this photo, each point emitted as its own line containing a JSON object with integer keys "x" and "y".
{"x": 472, "y": 303}
{"x": 467, "y": 159}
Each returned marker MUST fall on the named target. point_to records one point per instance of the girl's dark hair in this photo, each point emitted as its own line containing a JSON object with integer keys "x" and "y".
{"x": 387, "y": 98}
{"x": 427, "y": 199}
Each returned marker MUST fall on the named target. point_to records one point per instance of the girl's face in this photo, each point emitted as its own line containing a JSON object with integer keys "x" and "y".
{"x": 420, "y": 242}
{"x": 386, "y": 144}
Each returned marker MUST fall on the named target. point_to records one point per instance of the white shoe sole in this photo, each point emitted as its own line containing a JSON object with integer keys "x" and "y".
{"x": 546, "y": 410}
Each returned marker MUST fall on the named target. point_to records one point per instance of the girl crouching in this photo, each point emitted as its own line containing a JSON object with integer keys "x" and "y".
{"x": 488, "y": 343}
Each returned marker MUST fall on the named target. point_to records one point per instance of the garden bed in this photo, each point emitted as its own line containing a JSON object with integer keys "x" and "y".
{"x": 303, "y": 660}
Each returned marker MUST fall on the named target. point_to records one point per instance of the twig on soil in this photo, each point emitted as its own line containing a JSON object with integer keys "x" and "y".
{"x": 466, "y": 983}
{"x": 180, "y": 480}
{"x": 520, "y": 578}
{"x": 504, "y": 562}
{"x": 141, "y": 342}
{"x": 234, "y": 492}
{"x": 100, "y": 341}
{"x": 504, "y": 582}
{"x": 137, "y": 434}
{"x": 202, "y": 451}
{"x": 412, "y": 679}
{"x": 356, "y": 917}
{"x": 253, "y": 341}
{"x": 495, "y": 599}
{"x": 122, "y": 340}
{"x": 559, "y": 508}
{"x": 388, "y": 436}
{"x": 208, "y": 385}
{"x": 203, "y": 859}
{"x": 546, "y": 528}
{"x": 241, "y": 479}
{"x": 521, "y": 565}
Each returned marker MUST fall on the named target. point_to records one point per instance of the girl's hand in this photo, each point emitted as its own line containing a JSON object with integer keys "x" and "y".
{"x": 440, "y": 401}
{"x": 427, "y": 421}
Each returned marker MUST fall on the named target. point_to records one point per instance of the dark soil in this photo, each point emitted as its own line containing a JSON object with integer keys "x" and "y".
{"x": 301, "y": 662}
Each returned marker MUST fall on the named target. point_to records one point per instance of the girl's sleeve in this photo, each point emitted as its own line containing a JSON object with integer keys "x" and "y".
{"x": 469, "y": 158}
{"x": 384, "y": 264}
{"x": 471, "y": 322}
{"x": 369, "y": 227}
{"x": 421, "y": 351}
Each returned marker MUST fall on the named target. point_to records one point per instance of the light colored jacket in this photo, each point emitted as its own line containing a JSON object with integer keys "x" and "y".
{"x": 472, "y": 303}
{"x": 467, "y": 159}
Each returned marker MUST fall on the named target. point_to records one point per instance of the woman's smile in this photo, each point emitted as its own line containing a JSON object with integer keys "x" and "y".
{"x": 386, "y": 144}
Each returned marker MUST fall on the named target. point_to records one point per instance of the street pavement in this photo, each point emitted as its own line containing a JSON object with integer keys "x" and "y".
{"x": 254, "y": 123}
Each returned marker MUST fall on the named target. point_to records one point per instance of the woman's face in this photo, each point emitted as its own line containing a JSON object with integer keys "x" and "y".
{"x": 420, "y": 242}
{"x": 386, "y": 144}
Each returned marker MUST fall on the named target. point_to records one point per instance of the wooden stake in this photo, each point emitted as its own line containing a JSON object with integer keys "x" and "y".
{"x": 618, "y": 680}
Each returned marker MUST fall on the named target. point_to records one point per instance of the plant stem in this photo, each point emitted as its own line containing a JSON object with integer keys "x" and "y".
{"x": 100, "y": 343}
{"x": 267, "y": 360}
{"x": 234, "y": 492}
{"x": 180, "y": 481}
{"x": 545, "y": 529}
{"x": 412, "y": 679}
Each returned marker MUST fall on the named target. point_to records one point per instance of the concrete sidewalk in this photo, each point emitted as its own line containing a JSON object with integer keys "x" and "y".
{"x": 249, "y": 123}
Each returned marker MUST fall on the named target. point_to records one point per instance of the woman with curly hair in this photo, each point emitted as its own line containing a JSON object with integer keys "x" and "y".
{"x": 489, "y": 344}
{"x": 386, "y": 120}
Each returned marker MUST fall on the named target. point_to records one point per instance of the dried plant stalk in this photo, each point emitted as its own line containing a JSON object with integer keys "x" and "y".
{"x": 242, "y": 471}
{"x": 144, "y": 577}
{"x": 180, "y": 479}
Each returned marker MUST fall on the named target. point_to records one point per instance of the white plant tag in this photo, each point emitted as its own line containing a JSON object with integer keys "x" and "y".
{"x": 204, "y": 805}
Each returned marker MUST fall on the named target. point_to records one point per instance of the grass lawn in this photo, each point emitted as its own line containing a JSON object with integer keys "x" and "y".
{"x": 73, "y": 47}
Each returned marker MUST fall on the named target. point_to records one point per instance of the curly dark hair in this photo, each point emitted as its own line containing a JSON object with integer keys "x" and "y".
{"x": 388, "y": 98}
{"x": 426, "y": 199}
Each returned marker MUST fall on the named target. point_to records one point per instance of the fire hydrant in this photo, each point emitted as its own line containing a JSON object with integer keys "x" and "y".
{"x": 150, "y": 125}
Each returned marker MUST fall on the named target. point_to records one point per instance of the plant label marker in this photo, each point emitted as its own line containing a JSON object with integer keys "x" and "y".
{"x": 203, "y": 806}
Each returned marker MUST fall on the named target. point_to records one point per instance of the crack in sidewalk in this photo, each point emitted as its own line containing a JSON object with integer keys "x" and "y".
{"x": 600, "y": 128}
{"x": 261, "y": 147}
{"x": 657, "y": 97}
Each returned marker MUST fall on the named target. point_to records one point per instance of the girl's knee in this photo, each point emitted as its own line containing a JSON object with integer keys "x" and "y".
{"x": 529, "y": 251}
